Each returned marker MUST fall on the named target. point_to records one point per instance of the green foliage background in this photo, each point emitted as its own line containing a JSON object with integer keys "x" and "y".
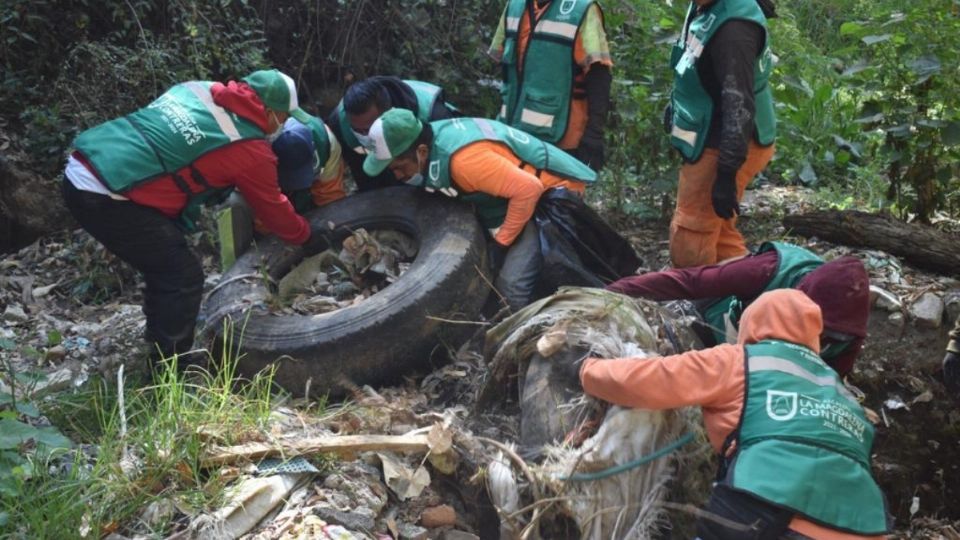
{"x": 866, "y": 107}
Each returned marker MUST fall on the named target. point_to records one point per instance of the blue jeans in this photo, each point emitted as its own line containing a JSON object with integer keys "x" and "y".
{"x": 521, "y": 268}
{"x": 152, "y": 243}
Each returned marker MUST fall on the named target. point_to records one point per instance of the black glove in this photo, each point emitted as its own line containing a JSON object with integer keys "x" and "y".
{"x": 951, "y": 372}
{"x": 668, "y": 118}
{"x": 319, "y": 240}
{"x": 725, "y": 203}
{"x": 590, "y": 151}
{"x": 496, "y": 254}
{"x": 597, "y": 86}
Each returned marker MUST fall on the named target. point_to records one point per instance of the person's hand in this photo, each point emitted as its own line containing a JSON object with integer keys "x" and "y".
{"x": 496, "y": 254}
{"x": 725, "y": 203}
{"x": 570, "y": 367}
{"x": 319, "y": 240}
{"x": 591, "y": 151}
{"x": 951, "y": 372}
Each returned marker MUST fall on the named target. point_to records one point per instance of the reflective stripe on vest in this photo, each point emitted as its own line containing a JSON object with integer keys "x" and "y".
{"x": 164, "y": 137}
{"x": 803, "y": 442}
{"x": 536, "y": 98}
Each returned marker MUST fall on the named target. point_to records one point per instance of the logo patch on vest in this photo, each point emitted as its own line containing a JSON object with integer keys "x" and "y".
{"x": 781, "y": 406}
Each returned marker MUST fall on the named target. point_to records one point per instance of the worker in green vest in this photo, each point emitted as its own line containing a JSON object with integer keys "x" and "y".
{"x": 840, "y": 287}
{"x": 364, "y": 102}
{"x": 721, "y": 120}
{"x": 500, "y": 170}
{"x": 135, "y": 183}
{"x": 794, "y": 444}
{"x": 555, "y": 63}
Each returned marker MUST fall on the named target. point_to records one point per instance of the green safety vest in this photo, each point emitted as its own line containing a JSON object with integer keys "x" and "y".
{"x": 427, "y": 95}
{"x": 692, "y": 105}
{"x": 804, "y": 441}
{"x": 449, "y": 136}
{"x": 793, "y": 263}
{"x": 537, "y": 98}
{"x": 163, "y": 138}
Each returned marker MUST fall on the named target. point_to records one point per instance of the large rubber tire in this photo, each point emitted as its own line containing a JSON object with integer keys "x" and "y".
{"x": 395, "y": 332}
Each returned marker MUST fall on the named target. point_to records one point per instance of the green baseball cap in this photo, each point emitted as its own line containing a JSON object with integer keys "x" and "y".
{"x": 277, "y": 91}
{"x": 390, "y": 135}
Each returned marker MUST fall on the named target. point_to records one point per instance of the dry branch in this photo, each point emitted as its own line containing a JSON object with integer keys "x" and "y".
{"x": 345, "y": 444}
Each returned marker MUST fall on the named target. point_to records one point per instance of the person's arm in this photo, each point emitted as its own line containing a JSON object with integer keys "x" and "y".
{"x": 733, "y": 54}
{"x": 258, "y": 185}
{"x": 744, "y": 278}
{"x": 592, "y": 54}
{"x": 482, "y": 167}
{"x": 711, "y": 378}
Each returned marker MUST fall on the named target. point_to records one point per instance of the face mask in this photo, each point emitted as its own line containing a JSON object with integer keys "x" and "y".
{"x": 276, "y": 134}
{"x": 365, "y": 141}
{"x": 416, "y": 179}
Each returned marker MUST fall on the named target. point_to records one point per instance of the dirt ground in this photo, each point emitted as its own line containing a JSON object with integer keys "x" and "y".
{"x": 916, "y": 451}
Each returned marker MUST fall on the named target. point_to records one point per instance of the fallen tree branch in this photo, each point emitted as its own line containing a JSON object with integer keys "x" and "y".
{"x": 343, "y": 444}
{"x": 922, "y": 246}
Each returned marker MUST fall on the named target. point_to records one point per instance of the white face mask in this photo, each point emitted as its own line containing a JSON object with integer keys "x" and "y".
{"x": 366, "y": 141}
{"x": 276, "y": 133}
{"x": 416, "y": 179}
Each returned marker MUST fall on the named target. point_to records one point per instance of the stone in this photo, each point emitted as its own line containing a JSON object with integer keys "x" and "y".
{"x": 14, "y": 314}
{"x": 927, "y": 311}
{"x": 951, "y": 302}
{"x": 355, "y": 521}
{"x": 896, "y": 318}
{"x": 409, "y": 531}
{"x": 454, "y": 534}
{"x": 58, "y": 352}
{"x": 438, "y": 516}
{"x": 885, "y": 299}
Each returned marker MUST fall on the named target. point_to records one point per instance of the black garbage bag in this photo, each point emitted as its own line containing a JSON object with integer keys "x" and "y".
{"x": 579, "y": 248}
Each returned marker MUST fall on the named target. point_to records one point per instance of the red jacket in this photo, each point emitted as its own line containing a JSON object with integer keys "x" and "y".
{"x": 249, "y": 165}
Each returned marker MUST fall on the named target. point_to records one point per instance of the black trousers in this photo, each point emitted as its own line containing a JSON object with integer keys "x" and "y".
{"x": 759, "y": 520}
{"x": 152, "y": 243}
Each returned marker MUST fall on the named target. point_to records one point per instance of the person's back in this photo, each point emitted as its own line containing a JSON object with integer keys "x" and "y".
{"x": 134, "y": 183}
{"x": 794, "y": 444}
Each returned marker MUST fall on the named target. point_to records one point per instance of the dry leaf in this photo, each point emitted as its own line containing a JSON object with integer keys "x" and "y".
{"x": 440, "y": 439}
{"x": 401, "y": 479}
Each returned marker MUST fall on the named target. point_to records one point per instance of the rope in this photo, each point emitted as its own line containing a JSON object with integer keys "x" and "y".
{"x": 617, "y": 469}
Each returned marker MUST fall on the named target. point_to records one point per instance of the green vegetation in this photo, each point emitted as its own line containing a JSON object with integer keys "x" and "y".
{"x": 865, "y": 106}
{"x": 136, "y": 445}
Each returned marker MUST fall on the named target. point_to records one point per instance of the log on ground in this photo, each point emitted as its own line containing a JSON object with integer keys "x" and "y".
{"x": 922, "y": 246}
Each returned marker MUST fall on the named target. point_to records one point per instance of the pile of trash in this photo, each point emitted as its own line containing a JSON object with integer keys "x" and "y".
{"x": 366, "y": 264}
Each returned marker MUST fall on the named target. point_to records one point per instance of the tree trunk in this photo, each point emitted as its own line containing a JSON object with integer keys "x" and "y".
{"x": 923, "y": 247}
{"x": 30, "y": 206}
